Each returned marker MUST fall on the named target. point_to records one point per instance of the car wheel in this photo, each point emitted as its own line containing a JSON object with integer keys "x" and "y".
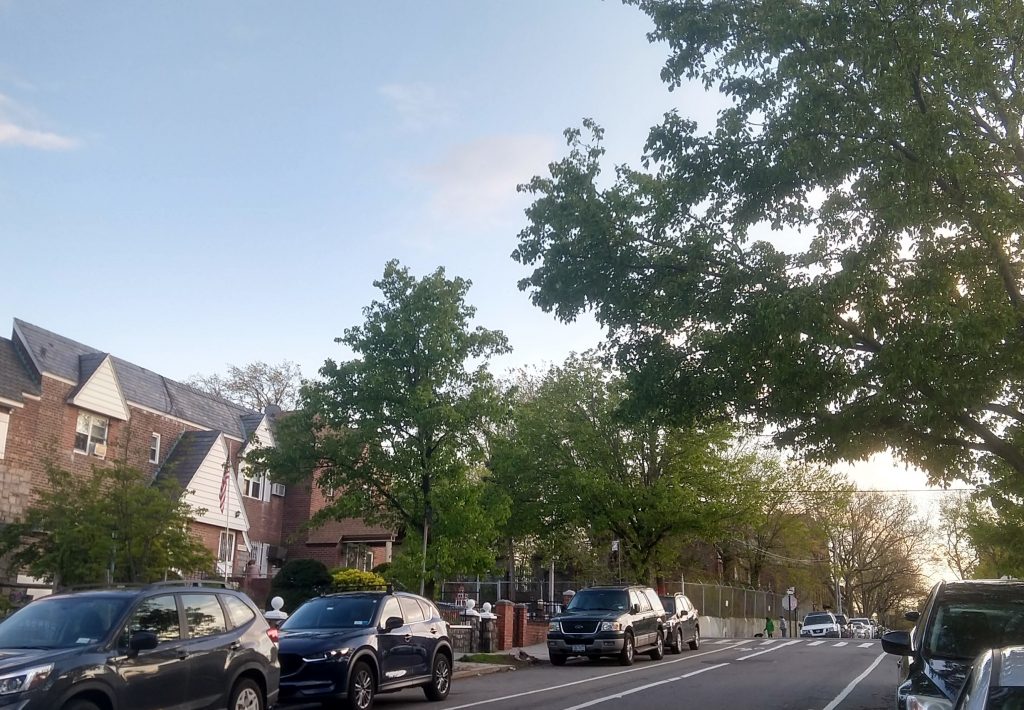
{"x": 360, "y": 687}
{"x": 658, "y": 652}
{"x": 80, "y": 705}
{"x": 246, "y": 695}
{"x": 440, "y": 679}
{"x": 677, "y": 641}
{"x": 695, "y": 644}
{"x": 557, "y": 659}
{"x": 628, "y": 650}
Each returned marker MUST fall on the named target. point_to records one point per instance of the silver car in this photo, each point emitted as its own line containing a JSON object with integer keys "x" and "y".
{"x": 995, "y": 682}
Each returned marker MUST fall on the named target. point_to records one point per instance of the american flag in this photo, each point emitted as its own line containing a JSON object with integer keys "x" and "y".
{"x": 224, "y": 489}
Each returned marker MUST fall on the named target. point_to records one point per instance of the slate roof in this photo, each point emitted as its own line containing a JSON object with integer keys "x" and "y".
{"x": 14, "y": 376}
{"x": 188, "y": 454}
{"x": 68, "y": 359}
{"x": 87, "y": 366}
{"x": 250, "y": 423}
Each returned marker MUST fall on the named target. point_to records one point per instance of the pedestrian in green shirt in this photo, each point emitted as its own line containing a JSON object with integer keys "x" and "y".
{"x": 769, "y": 627}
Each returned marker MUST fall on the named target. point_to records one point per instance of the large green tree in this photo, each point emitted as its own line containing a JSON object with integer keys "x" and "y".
{"x": 888, "y": 136}
{"x": 111, "y": 526}
{"x": 574, "y": 460}
{"x": 399, "y": 429}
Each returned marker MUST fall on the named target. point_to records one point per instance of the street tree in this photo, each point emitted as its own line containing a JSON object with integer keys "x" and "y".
{"x": 575, "y": 459}
{"x": 958, "y": 512}
{"x": 113, "y": 525}
{"x": 256, "y": 385}
{"x": 885, "y": 136}
{"x": 400, "y": 427}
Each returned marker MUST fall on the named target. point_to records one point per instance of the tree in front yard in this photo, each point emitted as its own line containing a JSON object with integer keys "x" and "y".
{"x": 112, "y": 525}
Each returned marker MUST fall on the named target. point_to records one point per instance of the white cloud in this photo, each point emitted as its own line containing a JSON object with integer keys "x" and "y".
{"x": 476, "y": 181}
{"x": 418, "y": 105}
{"x": 17, "y": 128}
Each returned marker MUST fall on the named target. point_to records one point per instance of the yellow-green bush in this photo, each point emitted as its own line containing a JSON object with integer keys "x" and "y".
{"x": 347, "y": 578}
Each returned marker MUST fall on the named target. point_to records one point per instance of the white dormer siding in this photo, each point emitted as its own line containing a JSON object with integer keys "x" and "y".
{"x": 102, "y": 393}
{"x": 203, "y": 491}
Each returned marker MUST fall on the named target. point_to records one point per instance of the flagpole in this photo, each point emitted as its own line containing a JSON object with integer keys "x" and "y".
{"x": 227, "y": 520}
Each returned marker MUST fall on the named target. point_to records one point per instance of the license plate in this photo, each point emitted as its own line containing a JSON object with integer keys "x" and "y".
{"x": 579, "y": 649}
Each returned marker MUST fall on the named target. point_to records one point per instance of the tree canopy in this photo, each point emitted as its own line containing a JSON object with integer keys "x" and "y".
{"x": 111, "y": 526}
{"x": 256, "y": 385}
{"x": 400, "y": 429}
{"x": 889, "y": 137}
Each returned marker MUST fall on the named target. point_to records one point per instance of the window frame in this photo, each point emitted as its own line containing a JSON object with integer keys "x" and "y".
{"x": 232, "y": 544}
{"x": 5, "y": 426}
{"x": 90, "y": 443}
{"x": 154, "y": 448}
{"x": 259, "y": 482}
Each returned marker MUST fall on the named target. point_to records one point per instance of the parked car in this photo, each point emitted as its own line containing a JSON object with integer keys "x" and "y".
{"x": 145, "y": 648}
{"x": 820, "y": 624}
{"x": 352, "y": 646}
{"x": 861, "y": 628}
{"x": 995, "y": 682}
{"x": 682, "y": 622}
{"x": 844, "y": 626}
{"x": 959, "y": 621}
{"x": 609, "y": 621}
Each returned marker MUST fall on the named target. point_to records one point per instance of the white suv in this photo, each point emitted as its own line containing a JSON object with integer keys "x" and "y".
{"x": 820, "y": 624}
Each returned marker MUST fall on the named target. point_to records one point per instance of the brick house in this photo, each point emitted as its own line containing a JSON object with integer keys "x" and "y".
{"x": 72, "y": 405}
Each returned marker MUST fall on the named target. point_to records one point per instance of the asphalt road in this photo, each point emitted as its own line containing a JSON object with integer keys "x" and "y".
{"x": 758, "y": 674}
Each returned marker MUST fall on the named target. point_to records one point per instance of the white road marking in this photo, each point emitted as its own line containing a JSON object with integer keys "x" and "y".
{"x": 815, "y": 643}
{"x": 853, "y": 684}
{"x": 598, "y": 701}
{"x": 719, "y": 643}
{"x": 643, "y": 667}
{"x": 767, "y": 650}
{"x": 841, "y": 643}
{"x": 865, "y": 645}
{"x": 766, "y": 643}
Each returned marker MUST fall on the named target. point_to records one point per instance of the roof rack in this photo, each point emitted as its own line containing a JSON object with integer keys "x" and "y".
{"x": 115, "y": 586}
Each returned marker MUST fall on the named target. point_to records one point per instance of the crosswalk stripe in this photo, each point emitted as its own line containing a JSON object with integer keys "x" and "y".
{"x": 766, "y": 643}
{"x": 815, "y": 643}
{"x": 841, "y": 643}
{"x": 865, "y": 645}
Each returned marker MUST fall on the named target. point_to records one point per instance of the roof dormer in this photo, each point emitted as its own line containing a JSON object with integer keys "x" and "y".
{"x": 98, "y": 389}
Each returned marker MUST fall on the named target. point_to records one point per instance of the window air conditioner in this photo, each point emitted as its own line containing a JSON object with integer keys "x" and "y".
{"x": 99, "y": 450}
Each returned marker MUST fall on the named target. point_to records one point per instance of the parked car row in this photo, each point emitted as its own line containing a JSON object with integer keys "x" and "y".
{"x": 621, "y": 621}
{"x": 966, "y": 650}
{"x": 201, "y": 645}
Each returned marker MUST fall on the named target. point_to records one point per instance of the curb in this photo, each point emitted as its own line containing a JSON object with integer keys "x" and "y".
{"x": 470, "y": 670}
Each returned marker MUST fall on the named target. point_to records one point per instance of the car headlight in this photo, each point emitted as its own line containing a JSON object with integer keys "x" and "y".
{"x": 927, "y": 702}
{"x": 611, "y": 626}
{"x": 554, "y": 627}
{"x": 21, "y": 681}
{"x": 332, "y": 655}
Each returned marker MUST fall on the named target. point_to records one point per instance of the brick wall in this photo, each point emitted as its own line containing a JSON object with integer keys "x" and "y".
{"x": 504, "y": 624}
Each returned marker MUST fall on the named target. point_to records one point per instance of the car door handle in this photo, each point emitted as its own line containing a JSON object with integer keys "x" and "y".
{"x": 433, "y": 629}
{"x": 408, "y": 638}
{"x": 235, "y": 645}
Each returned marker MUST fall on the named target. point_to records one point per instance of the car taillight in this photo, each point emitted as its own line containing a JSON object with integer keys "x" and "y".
{"x": 272, "y": 633}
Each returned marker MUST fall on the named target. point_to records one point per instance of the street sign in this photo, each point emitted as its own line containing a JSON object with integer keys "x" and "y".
{"x": 789, "y": 602}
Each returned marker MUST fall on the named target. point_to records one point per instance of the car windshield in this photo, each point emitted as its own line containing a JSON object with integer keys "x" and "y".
{"x": 62, "y": 622}
{"x": 962, "y": 630}
{"x": 600, "y": 600}
{"x": 859, "y": 622}
{"x": 812, "y": 619}
{"x": 334, "y": 613}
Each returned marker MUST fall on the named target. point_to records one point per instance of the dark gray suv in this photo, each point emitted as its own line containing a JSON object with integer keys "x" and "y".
{"x": 181, "y": 646}
{"x": 609, "y": 621}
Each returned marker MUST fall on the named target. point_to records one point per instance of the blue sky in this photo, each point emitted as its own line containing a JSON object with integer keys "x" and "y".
{"x": 191, "y": 184}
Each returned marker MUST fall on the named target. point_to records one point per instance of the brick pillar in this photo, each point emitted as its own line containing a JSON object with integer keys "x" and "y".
{"x": 503, "y": 609}
{"x": 519, "y": 626}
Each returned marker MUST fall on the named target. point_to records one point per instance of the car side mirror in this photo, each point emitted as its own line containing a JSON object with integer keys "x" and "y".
{"x": 896, "y": 643}
{"x": 393, "y": 622}
{"x": 142, "y": 641}
{"x": 912, "y": 616}
{"x": 635, "y": 609}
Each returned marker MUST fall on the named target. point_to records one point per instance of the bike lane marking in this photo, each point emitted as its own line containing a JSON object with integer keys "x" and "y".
{"x": 767, "y": 650}
{"x": 865, "y": 645}
{"x": 853, "y": 684}
{"x": 616, "y": 696}
{"x": 644, "y": 667}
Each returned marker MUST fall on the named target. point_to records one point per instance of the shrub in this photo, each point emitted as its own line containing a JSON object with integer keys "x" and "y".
{"x": 298, "y": 580}
{"x": 346, "y": 578}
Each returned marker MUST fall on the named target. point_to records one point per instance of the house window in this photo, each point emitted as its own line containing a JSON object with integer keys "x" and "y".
{"x": 227, "y": 549}
{"x": 154, "y": 448}
{"x": 358, "y": 556}
{"x": 259, "y": 553}
{"x": 5, "y": 420}
{"x": 91, "y": 433}
{"x": 254, "y": 486}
